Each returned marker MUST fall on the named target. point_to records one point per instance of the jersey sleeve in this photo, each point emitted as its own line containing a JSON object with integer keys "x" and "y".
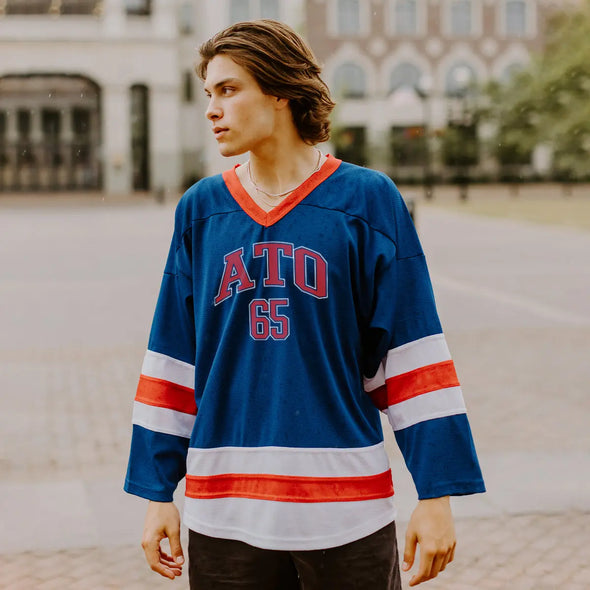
{"x": 164, "y": 408}
{"x": 410, "y": 374}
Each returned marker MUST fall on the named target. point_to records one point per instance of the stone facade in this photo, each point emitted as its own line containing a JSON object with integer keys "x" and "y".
{"x": 101, "y": 94}
{"x": 397, "y": 65}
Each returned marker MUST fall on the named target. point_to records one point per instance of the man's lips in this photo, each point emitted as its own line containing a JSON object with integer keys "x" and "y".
{"x": 219, "y": 131}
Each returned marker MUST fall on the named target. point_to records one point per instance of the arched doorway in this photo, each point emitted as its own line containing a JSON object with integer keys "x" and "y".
{"x": 49, "y": 133}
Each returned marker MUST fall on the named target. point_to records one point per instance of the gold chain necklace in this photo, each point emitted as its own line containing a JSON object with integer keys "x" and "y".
{"x": 279, "y": 196}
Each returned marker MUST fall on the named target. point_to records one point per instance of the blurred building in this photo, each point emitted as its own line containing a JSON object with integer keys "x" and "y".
{"x": 102, "y": 95}
{"x": 404, "y": 74}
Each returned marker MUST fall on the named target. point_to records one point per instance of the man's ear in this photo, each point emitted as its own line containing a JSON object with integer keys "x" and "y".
{"x": 281, "y": 103}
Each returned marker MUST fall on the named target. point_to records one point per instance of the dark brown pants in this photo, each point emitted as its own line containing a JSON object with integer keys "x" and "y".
{"x": 371, "y": 563}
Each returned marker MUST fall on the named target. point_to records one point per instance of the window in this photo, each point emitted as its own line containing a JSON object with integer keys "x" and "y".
{"x": 186, "y": 17}
{"x": 408, "y": 146}
{"x": 23, "y": 121}
{"x": 3, "y": 156}
{"x": 51, "y": 124}
{"x": 349, "y": 81}
{"x": 269, "y": 9}
{"x": 515, "y": 25}
{"x": 53, "y": 7}
{"x": 239, "y": 10}
{"x": 79, "y": 7}
{"x": 459, "y": 79}
{"x": 351, "y": 145}
{"x": 405, "y": 74}
{"x": 188, "y": 86}
{"x": 138, "y": 7}
{"x": 348, "y": 17}
{"x": 140, "y": 145}
{"x": 242, "y": 10}
{"x": 461, "y": 17}
{"x": 405, "y": 17}
{"x": 23, "y": 124}
{"x": 27, "y": 6}
{"x": 81, "y": 122}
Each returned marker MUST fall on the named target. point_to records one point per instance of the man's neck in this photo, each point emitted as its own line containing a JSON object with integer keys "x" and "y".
{"x": 272, "y": 174}
{"x": 282, "y": 167}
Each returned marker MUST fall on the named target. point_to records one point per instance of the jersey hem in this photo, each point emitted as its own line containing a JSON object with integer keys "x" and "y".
{"x": 278, "y": 544}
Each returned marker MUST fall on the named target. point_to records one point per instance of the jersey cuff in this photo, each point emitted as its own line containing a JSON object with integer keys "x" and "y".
{"x": 456, "y": 488}
{"x": 148, "y": 493}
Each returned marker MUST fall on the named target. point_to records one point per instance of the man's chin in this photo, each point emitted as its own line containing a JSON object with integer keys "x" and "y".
{"x": 228, "y": 151}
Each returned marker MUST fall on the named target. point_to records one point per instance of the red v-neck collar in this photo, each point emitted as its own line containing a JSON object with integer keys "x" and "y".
{"x": 259, "y": 215}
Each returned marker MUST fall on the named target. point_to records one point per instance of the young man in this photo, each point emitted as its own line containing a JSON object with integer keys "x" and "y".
{"x": 295, "y": 305}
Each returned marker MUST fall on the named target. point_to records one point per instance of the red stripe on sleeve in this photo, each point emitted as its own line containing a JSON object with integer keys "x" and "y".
{"x": 164, "y": 394}
{"x": 422, "y": 380}
{"x": 286, "y": 488}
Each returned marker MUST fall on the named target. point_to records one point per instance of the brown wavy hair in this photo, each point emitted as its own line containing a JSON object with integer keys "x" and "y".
{"x": 283, "y": 65}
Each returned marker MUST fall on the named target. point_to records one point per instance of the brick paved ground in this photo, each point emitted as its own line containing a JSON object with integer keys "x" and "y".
{"x": 529, "y": 552}
{"x": 78, "y": 286}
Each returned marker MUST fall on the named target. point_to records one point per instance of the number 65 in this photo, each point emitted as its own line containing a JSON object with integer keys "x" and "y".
{"x": 266, "y": 321}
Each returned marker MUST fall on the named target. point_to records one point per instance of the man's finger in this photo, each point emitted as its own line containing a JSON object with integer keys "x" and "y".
{"x": 164, "y": 557}
{"x": 152, "y": 554}
{"x": 448, "y": 558}
{"x": 151, "y": 549}
{"x": 437, "y": 565}
{"x": 176, "y": 547}
{"x": 426, "y": 560}
{"x": 163, "y": 571}
{"x": 409, "y": 550}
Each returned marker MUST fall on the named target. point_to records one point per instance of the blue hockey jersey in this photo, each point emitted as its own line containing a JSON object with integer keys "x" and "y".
{"x": 277, "y": 339}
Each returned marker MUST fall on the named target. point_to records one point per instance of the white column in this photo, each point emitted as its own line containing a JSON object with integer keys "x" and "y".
{"x": 164, "y": 19}
{"x": 114, "y": 18}
{"x": 11, "y": 126}
{"x": 116, "y": 133}
{"x": 165, "y": 141}
{"x": 36, "y": 131}
{"x": 67, "y": 124}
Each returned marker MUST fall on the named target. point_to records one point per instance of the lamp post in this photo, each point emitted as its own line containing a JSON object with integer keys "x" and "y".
{"x": 462, "y": 76}
{"x": 424, "y": 90}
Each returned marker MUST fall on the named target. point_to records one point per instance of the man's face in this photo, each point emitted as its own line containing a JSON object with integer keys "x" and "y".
{"x": 243, "y": 117}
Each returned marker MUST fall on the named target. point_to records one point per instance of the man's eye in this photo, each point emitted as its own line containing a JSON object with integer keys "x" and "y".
{"x": 227, "y": 90}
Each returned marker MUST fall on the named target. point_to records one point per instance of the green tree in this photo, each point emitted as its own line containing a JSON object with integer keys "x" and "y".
{"x": 549, "y": 102}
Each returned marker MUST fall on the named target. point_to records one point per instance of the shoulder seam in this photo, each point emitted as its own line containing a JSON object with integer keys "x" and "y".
{"x": 190, "y": 226}
{"x": 352, "y": 215}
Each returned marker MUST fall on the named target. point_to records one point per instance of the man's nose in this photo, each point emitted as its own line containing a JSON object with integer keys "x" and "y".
{"x": 213, "y": 111}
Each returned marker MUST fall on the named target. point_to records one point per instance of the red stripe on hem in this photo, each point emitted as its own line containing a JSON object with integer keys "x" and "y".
{"x": 423, "y": 380}
{"x": 164, "y": 394}
{"x": 259, "y": 215}
{"x": 287, "y": 488}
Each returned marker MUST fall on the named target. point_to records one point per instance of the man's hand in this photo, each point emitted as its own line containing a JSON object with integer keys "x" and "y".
{"x": 431, "y": 526}
{"x": 163, "y": 521}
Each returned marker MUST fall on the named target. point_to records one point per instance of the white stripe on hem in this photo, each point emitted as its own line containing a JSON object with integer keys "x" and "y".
{"x": 288, "y": 526}
{"x": 314, "y": 462}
